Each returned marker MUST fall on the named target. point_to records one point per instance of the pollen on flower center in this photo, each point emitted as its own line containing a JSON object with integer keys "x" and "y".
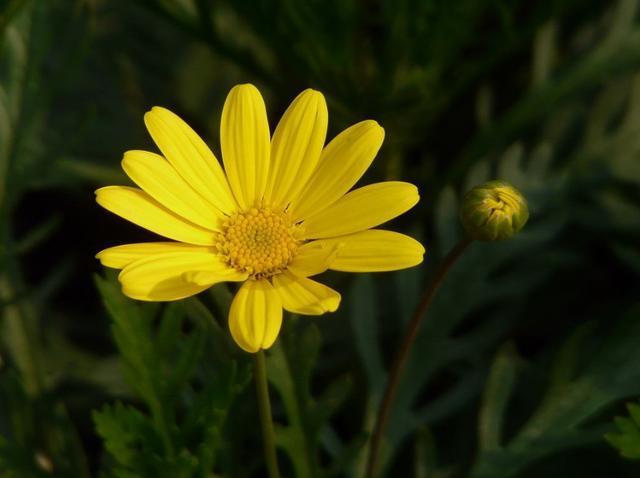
{"x": 259, "y": 241}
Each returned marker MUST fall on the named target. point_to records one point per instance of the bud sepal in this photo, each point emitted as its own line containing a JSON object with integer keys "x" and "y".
{"x": 493, "y": 211}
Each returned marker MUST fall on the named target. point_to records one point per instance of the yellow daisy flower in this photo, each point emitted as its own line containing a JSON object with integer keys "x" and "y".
{"x": 280, "y": 212}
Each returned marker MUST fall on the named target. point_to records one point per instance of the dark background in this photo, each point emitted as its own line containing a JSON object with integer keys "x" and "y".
{"x": 538, "y": 336}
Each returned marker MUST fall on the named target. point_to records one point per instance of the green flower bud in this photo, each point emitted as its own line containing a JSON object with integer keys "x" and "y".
{"x": 493, "y": 211}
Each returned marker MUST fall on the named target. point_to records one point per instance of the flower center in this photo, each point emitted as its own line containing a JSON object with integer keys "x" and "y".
{"x": 259, "y": 241}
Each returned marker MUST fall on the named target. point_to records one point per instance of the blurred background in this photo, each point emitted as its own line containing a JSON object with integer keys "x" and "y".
{"x": 532, "y": 346}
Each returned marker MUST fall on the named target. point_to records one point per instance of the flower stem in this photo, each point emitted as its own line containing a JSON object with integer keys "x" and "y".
{"x": 268, "y": 437}
{"x": 400, "y": 360}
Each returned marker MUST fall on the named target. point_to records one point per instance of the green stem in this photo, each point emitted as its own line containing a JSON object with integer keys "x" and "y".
{"x": 268, "y": 437}
{"x": 403, "y": 353}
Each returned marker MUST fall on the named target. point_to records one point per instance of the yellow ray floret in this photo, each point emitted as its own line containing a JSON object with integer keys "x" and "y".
{"x": 363, "y": 208}
{"x": 140, "y": 208}
{"x": 191, "y": 157}
{"x": 163, "y": 183}
{"x": 280, "y": 212}
{"x": 296, "y": 147}
{"x": 244, "y": 139}
{"x": 255, "y": 316}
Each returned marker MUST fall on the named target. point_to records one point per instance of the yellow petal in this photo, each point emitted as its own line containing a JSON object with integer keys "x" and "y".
{"x": 255, "y": 316}
{"x": 244, "y": 138}
{"x": 305, "y": 296}
{"x": 207, "y": 278}
{"x": 163, "y": 183}
{"x": 138, "y": 207}
{"x": 167, "y": 276}
{"x": 362, "y": 209}
{"x": 119, "y": 257}
{"x": 375, "y": 250}
{"x": 343, "y": 162}
{"x": 313, "y": 258}
{"x": 191, "y": 157}
{"x": 296, "y": 147}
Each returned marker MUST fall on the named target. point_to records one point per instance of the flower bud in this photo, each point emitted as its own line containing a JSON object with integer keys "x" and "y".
{"x": 493, "y": 211}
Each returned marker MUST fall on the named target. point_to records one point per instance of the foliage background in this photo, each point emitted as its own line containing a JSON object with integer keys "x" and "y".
{"x": 529, "y": 351}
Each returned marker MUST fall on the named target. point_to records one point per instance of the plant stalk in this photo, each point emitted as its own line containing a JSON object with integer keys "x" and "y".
{"x": 264, "y": 405}
{"x": 400, "y": 360}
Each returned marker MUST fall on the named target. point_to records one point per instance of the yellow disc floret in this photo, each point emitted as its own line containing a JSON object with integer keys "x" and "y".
{"x": 259, "y": 241}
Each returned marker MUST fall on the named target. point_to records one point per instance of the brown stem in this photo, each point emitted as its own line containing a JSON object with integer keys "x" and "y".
{"x": 403, "y": 353}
